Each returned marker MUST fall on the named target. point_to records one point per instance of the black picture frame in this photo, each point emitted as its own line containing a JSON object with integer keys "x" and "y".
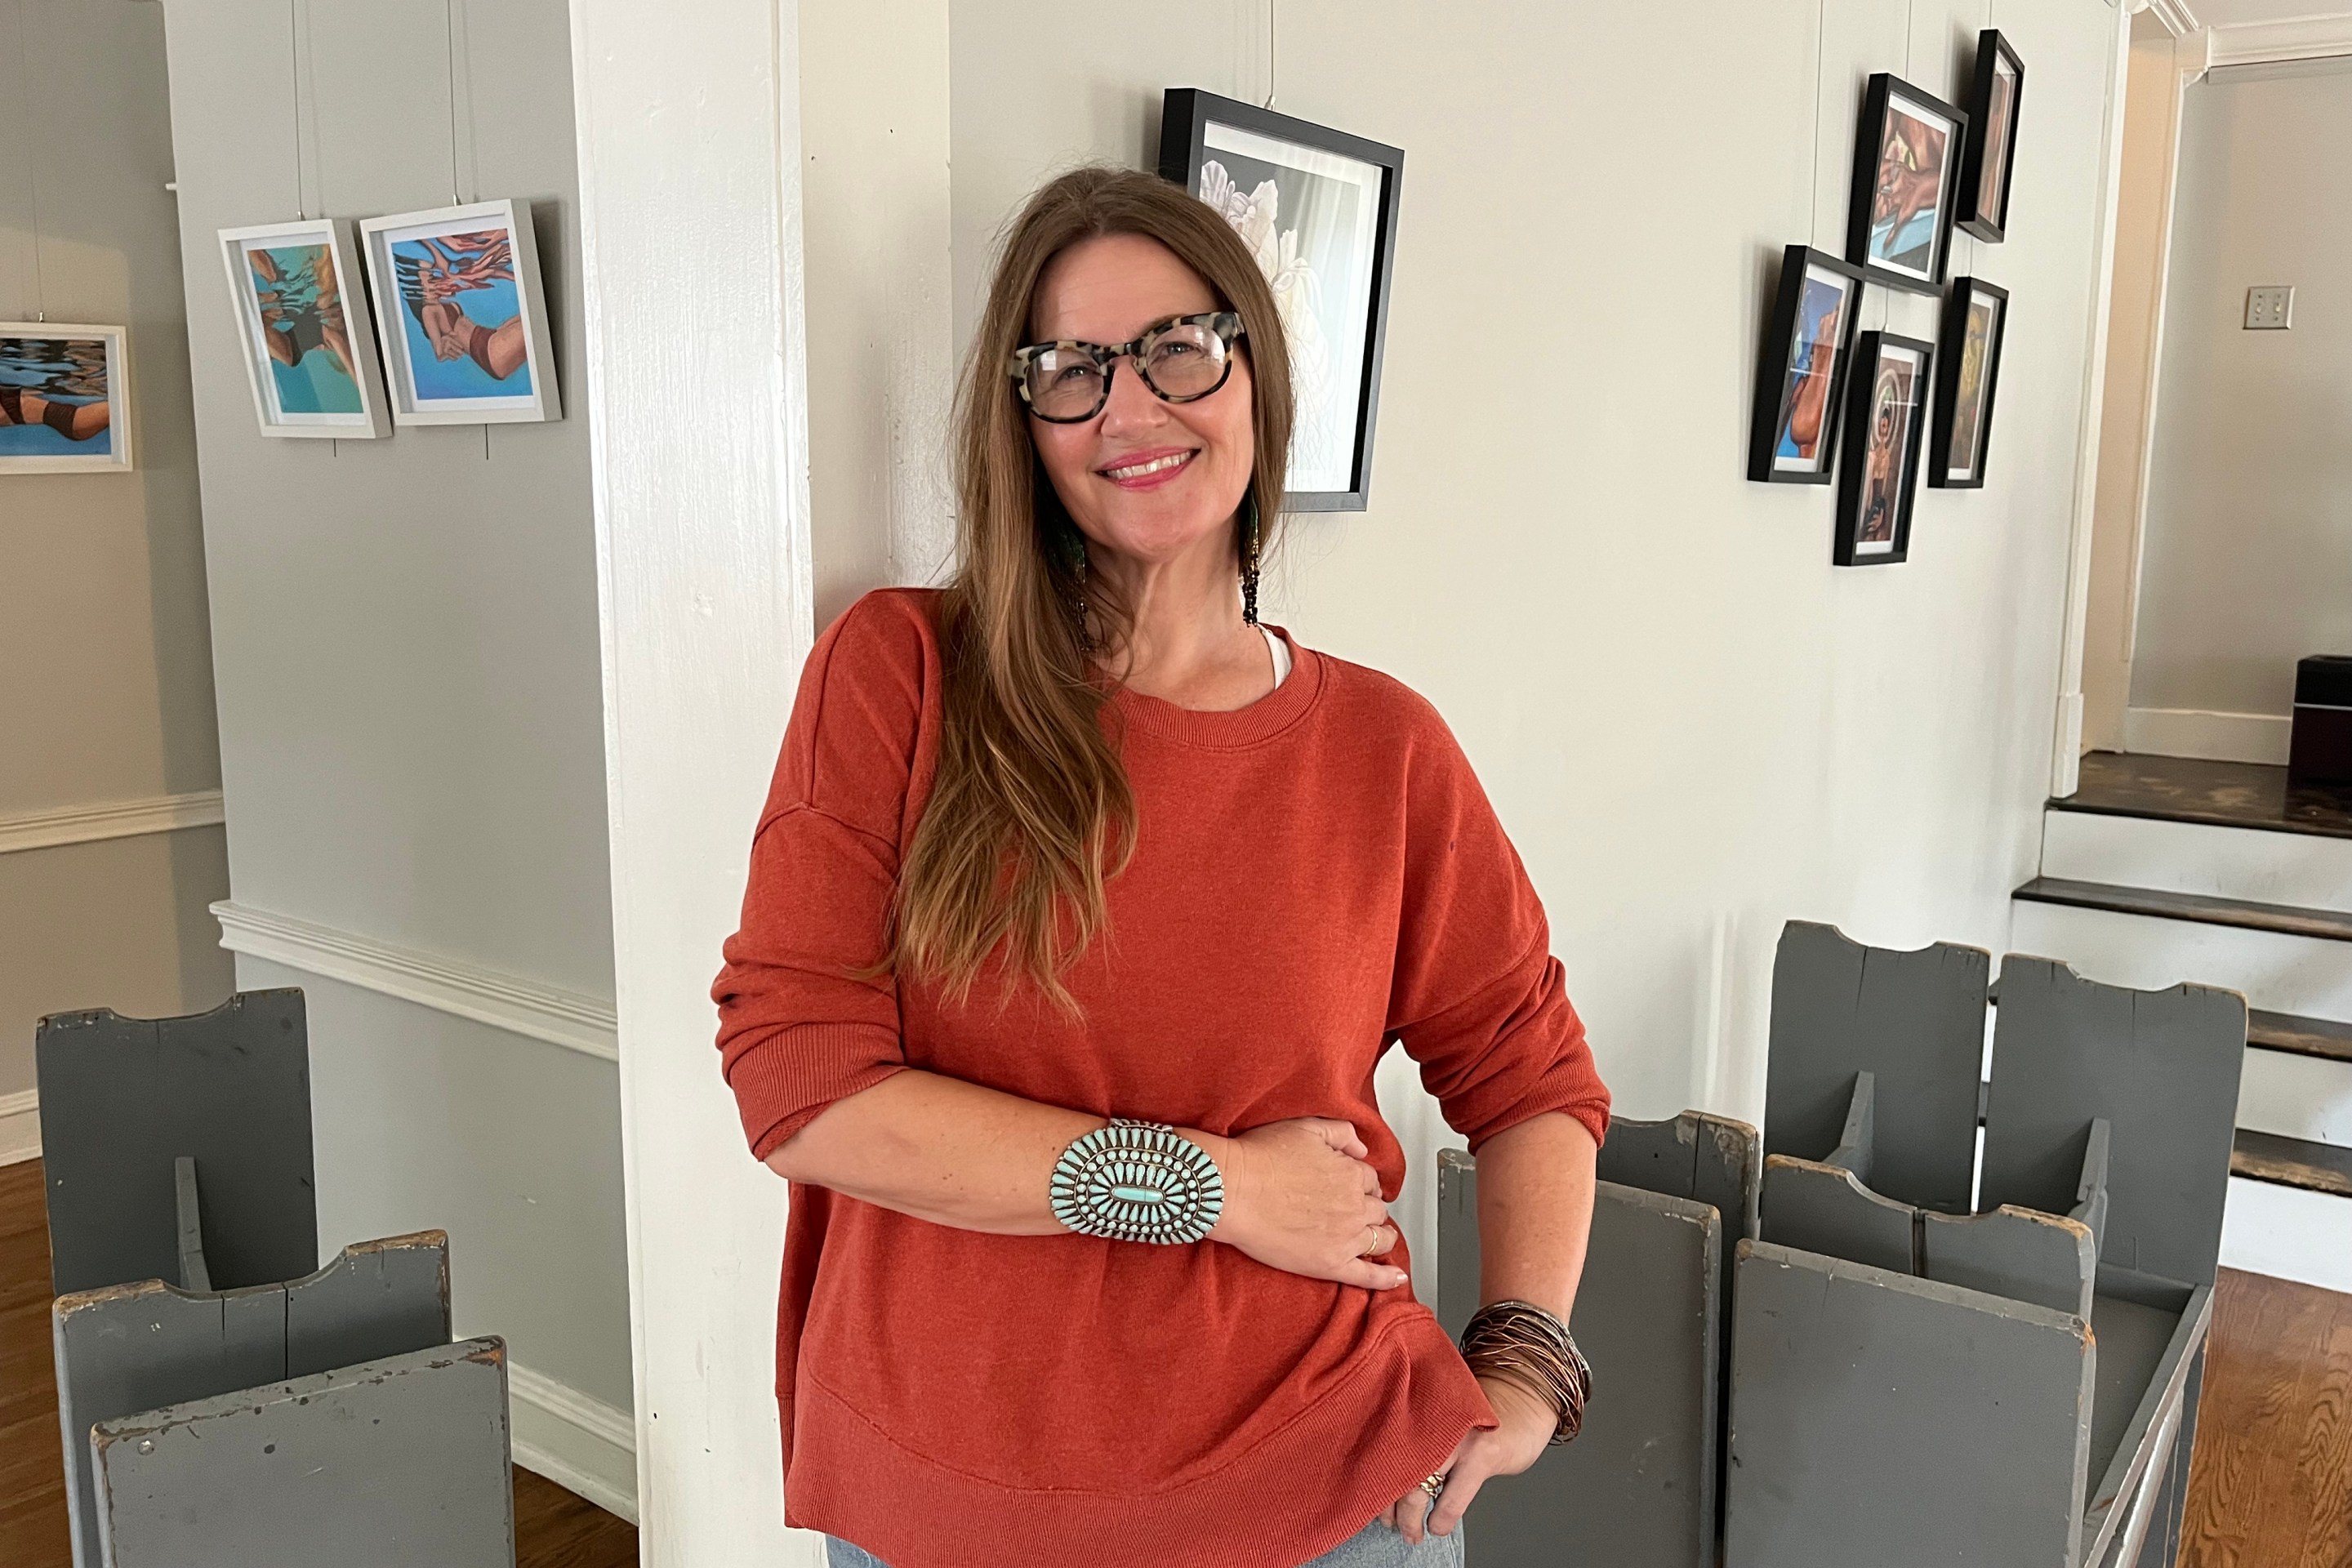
{"x": 1873, "y": 508}
{"x": 1350, "y": 228}
{"x": 1780, "y": 382}
{"x": 1889, "y": 98}
{"x": 1996, "y": 103}
{"x": 1963, "y": 423}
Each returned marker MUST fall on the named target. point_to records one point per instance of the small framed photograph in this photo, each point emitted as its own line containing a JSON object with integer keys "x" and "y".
{"x": 65, "y": 398}
{"x": 310, "y": 353}
{"x": 1318, "y": 209}
{"x": 1879, "y": 468}
{"x": 464, "y": 324}
{"x": 1907, "y": 170}
{"x": 1968, "y": 369}
{"x": 1983, "y": 207}
{"x": 1801, "y": 370}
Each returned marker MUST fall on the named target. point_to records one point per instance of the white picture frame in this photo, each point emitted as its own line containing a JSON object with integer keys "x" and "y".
{"x": 304, "y": 325}
{"x": 49, "y": 372}
{"x": 449, "y": 359}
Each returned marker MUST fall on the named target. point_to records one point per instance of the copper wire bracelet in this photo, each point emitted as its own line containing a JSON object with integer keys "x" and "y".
{"x": 1521, "y": 1343}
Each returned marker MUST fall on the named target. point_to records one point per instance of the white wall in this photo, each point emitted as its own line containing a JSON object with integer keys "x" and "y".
{"x": 405, "y": 634}
{"x": 105, "y": 675}
{"x": 2248, "y": 551}
{"x": 1694, "y": 726}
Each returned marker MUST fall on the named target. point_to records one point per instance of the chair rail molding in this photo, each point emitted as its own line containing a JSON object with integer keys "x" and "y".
{"x": 20, "y": 1126}
{"x": 510, "y": 1002}
{"x": 109, "y": 819}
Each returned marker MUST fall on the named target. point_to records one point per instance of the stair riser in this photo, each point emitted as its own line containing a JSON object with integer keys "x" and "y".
{"x": 2289, "y": 1233}
{"x": 2301, "y": 870}
{"x": 2307, "y": 975}
{"x": 2296, "y": 1097}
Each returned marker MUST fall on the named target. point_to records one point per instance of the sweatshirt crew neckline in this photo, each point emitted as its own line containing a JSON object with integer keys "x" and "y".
{"x": 1230, "y": 729}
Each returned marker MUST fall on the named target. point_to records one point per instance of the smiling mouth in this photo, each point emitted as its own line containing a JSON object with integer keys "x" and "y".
{"x": 1154, "y": 466}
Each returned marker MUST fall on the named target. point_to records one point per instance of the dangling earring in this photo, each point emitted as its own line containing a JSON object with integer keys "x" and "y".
{"x": 1078, "y": 566}
{"x": 1249, "y": 562}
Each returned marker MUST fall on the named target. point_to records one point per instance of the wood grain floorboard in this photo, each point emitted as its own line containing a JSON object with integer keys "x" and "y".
{"x": 553, "y": 1528}
{"x": 2270, "y": 1486}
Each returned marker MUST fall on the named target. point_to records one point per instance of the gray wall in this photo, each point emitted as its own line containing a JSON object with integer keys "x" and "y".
{"x": 405, "y": 636}
{"x": 107, "y": 693}
{"x": 2247, "y": 562}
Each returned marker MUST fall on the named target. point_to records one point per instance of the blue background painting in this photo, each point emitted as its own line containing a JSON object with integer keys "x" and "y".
{"x": 318, "y": 383}
{"x": 45, "y": 366}
{"x": 493, "y": 306}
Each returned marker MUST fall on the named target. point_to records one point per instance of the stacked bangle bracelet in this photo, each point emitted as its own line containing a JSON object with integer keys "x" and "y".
{"x": 1521, "y": 1343}
{"x": 1138, "y": 1181}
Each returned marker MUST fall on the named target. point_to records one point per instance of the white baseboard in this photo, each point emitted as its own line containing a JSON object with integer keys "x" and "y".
{"x": 510, "y": 1002}
{"x": 20, "y": 1127}
{"x": 581, "y": 1444}
{"x": 2218, "y": 737}
{"x": 109, "y": 819}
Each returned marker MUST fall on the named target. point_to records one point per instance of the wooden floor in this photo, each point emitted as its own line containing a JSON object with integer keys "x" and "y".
{"x": 2271, "y": 1484}
{"x": 2191, "y": 789}
{"x": 553, "y": 1528}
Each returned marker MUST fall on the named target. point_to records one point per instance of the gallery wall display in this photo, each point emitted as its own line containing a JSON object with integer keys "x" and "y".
{"x": 1879, "y": 467}
{"x": 310, "y": 352}
{"x": 1318, "y": 209}
{"x": 1968, "y": 369}
{"x": 1982, "y": 208}
{"x": 1801, "y": 370}
{"x": 65, "y": 398}
{"x": 463, "y": 321}
{"x": 1907, "y": 170}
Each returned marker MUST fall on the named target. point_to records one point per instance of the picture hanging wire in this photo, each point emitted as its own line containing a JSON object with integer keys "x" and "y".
{"x": 1821, "y": 53}
{"x": 32, "y": 174}
{"x": 449, "y": 53}
{"x": 1270, "y": 6}
{"x": 294, "y": 82}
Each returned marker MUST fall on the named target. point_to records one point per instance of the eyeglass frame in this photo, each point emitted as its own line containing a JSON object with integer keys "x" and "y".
{"x": 1226, "y": 324}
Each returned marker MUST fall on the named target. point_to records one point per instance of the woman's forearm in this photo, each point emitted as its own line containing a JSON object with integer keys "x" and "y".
{"x": 951, "y": 1152}
{"x": 1535, "y": 1211}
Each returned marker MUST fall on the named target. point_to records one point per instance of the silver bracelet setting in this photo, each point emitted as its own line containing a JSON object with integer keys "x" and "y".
{"x": 1138, "y": 1181}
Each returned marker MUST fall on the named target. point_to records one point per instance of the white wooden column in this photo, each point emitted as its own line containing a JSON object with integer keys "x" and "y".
{"x": 689, "y": 150}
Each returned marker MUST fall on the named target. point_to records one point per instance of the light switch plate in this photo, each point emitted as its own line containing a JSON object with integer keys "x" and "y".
{"x": 2269, "y": 308}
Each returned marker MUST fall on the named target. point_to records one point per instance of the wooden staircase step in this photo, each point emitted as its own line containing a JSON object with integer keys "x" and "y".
{"x": 2303, "y": 1036}
{"x": 2285, "y": 919}
{"x": 2293, "y": 1162}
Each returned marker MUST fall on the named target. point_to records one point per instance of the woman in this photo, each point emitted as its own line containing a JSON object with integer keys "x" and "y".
{"x": 1074, "y": 839}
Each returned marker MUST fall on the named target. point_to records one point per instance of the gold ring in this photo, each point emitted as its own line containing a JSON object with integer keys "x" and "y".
{"x": 1433, "y": 1483}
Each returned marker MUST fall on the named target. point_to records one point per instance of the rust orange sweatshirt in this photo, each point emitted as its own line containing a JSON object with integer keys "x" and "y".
{"x": 1316, "y": 876}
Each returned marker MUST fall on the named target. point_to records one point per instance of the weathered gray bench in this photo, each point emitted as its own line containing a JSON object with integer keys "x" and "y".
{"x": 1915, "y": 1381}
{"x": 1641, "y": 1483}
{"x": 214, "y": 1413}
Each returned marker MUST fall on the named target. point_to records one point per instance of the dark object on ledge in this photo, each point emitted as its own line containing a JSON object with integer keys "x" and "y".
{"x": 2321, "y": 750}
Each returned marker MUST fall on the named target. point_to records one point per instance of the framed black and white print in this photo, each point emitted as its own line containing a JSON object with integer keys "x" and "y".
{"x": 1317, "y": 207}
{"x": 1983, "y": 207}
{"x": 1801, "y": 369}
{"x": 1879, "y": 467}
{"x": 1907, "y": 170}
{"x": 1968, "y": 369}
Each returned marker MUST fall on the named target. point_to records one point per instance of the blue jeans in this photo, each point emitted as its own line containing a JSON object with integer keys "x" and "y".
{"x": 1374, "y": 1546}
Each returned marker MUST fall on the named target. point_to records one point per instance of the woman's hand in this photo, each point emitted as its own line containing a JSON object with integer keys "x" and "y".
{"x": 1528, "y": 1424}
{"x": 1300, "y": 1197}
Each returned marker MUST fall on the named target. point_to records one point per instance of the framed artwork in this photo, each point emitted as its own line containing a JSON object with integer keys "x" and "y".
{"x": 1318, "y": 209}
{"x": 1906, "y": 171}
{"x": 457, "y": 303}
{"x": 1801, "y": 370}
{"x": 310, "y": 353}
{"x": 1967, "y": 368}
{"x": 65, "y": 398}
{"x": 1879, "y": 468}
{"x": 1983, "y": 208}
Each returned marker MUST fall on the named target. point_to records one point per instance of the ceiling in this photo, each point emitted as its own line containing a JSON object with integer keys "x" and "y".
{"x": 2237, "y": 12}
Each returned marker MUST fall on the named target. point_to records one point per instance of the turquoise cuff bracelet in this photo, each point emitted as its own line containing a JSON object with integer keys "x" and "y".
{"x": 1138, "y": 1181}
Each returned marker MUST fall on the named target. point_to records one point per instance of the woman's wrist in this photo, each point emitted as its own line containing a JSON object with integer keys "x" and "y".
{"x": 1225, "y": 1153}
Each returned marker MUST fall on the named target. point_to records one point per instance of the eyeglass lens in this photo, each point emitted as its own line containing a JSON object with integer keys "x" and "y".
{"x": 1180, "y": 361}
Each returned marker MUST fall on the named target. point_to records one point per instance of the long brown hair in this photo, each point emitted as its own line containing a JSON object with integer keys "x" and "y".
{"x": 1031, "y": 812}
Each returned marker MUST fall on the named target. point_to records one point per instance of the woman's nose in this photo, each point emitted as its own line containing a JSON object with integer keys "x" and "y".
{"x": 1132, "y": 405}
